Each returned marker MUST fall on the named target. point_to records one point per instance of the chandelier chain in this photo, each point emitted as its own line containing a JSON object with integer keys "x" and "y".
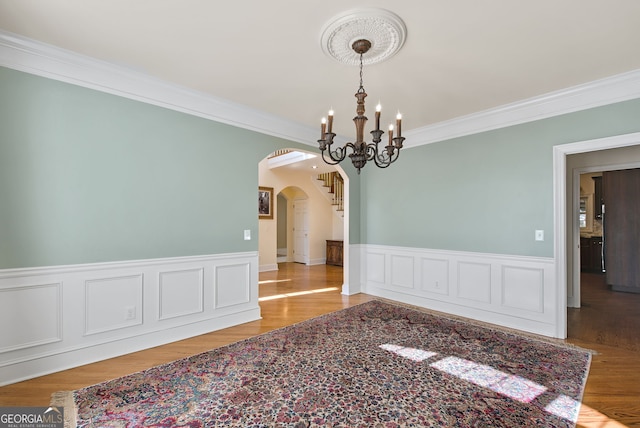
{"x": 361, "y": 74}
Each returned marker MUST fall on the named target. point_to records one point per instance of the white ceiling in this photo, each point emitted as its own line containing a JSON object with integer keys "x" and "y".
{"x": 460, "y": 56}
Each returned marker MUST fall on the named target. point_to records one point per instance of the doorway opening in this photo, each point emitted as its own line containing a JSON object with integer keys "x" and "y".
{"x": 306, "y": 214}
{"x": 570, "y": 160}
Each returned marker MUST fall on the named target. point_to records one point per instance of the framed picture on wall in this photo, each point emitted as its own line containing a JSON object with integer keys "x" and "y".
{"x": 265, "y": 203}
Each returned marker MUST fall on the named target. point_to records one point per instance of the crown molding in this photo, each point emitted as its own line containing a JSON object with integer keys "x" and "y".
{"x": 20, "y": 53}
{"x": 610, "y": 90}
{"x": 23, "y": 54}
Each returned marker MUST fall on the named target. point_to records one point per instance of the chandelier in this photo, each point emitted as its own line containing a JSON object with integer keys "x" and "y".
{"x": 361, "y": 151}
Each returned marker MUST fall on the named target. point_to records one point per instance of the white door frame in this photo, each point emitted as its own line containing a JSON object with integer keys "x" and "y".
{"x": 560, "y": 185}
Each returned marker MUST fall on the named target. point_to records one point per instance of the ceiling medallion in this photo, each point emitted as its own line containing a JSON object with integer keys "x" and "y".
{"x": 383, "y": 29}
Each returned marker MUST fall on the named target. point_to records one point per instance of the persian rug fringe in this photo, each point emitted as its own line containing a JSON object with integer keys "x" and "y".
{"x": 65, "y": 399}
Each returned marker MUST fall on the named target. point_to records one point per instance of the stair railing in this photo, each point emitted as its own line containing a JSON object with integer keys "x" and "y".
{"x": 335, "y": 184}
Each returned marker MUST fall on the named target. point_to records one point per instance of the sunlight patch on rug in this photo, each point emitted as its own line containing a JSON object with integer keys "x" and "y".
{"x": 410, "y": 353}
{"x": 564, "y": 407}
{"x": 512, "y": 386}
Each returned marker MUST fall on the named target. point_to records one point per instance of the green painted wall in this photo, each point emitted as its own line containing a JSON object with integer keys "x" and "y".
{"x": 487, "y": 192}
{"x": 91, "y": 177}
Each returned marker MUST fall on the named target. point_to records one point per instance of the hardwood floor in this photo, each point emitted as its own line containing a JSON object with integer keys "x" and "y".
{"x": 290, "y": 295}
{"x": 606, "y": 323}
{"x": 605, "y": 317}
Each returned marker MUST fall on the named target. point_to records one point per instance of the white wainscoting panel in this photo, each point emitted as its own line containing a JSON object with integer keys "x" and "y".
{"x": 232, "y": 285}
{"x": 66, "y": 316}
{"x": 113, "y": 303}
{"x": 523, "y": 288}
{"x": 474, "y": 281}
{"x": 512, "y": 291}
{"x": 181, "y": 293}
{"x": 38, "y": 305}
{"x": 375, "y": 267}
{"x": 402, "y": 271}
{"x": 435, "y": 275}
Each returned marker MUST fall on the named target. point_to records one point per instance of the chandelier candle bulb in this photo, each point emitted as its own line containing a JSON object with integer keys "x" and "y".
{"x": 398, "y": 122}
{"x": 323, "y": 128}
{"x": 378, "y": 108}
{"x": 390, "y": 134}
{"x": 330, "y": 124}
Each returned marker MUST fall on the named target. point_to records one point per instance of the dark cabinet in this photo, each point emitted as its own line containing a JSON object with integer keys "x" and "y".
{"x": 591, "y": 254}
{"x": 621, "y": 190}
{"x": 334, "y": 252}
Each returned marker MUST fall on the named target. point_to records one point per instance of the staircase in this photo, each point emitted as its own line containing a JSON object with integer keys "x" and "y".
{"x": 279, "y": 152}
{"x": 334, "y": 183}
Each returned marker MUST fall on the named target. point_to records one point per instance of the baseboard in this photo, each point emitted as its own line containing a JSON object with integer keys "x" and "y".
{"x": 268, "y": 268}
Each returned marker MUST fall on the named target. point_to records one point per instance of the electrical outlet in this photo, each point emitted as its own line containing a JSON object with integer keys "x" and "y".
{"x": 130, "y": 313}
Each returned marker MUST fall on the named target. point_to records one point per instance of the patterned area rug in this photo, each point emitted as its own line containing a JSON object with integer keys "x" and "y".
{"x": 372, "y": 365}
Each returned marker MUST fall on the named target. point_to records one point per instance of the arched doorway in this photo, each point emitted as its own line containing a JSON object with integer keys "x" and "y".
{"x": 295, "y": 177}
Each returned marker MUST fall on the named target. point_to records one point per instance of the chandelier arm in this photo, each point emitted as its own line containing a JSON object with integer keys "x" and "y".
{"x": 389, "y": 160}
{"x": 336, "y": 156}
{"x": 382, "y": 159}
{"x": 372, "y": 151}
{"x": 329, "y": 161}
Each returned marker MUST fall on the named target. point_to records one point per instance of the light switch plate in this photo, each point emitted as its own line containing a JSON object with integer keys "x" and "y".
{"x": 247, "y": 234}
{"x": 539, "y": 235}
